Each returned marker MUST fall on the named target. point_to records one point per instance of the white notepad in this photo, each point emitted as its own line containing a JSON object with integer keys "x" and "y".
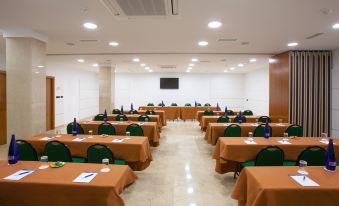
{"x": 304, "y": 181}
{"x": 250, "y": 142}
{"x": 85, "y": 177}
{"x": 284, "y": 142}
{"x": 19, "y": 175}
{"x": 117, "y": 140}
{"x": 79, "y": 139}
{"x": 227, "y": 124}
{"x": 47, "y": 138}
{"x": 254, "y": 124}
{"x": 140, "y": 123}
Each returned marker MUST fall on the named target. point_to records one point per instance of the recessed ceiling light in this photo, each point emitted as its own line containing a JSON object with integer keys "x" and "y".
{"x": 214, "y": 24}
{"x": 203, "y": 43}
{"x": 41, "y": 66}
{"x": 335, "y": 26}
{"x": 147, "y": 68}
{"x": 89, "y": 25}
{"x": 37, "y": 72}
{"x": 189, "y": 68}
{"x": 195, "y": 60}
{"x": 81, "y": 60}
{"x": 232, "y": 68}
{"x": 240, "y": 65}
{"x": 271, "y": 60}
{"x": 191, "y": 65}
{"x": 292, "y": 44}
{"x": 113, "y": 43}
{"x": 95, "y": 65}
{"x": 136, "y": 60}
{"x": 226, "y": 71}
{"x": 142, "y": 64}
{"x": 150, "y": 70}
{"x": 253, "y": 60}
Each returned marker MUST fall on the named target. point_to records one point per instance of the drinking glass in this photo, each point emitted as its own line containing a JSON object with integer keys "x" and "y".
{"x": 105, "y": 167}
{"x": 43, "y": 162}
{"x": 58, "y": 133}
{"x": 128, "y": 133}
{"x": 250, "y": 136}
{"x": 121, "y": 119}
{"x": 285, "y": 138}
{"x": 280, "y": 121}
{"x": 324, "y": 136}
{"x": 90, "y": 132}
{"x": 302, "y": 167}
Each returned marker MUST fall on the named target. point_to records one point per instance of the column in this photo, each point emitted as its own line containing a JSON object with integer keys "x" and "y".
{"x": 26, "y": 86}
{"x": 106, "y": 88}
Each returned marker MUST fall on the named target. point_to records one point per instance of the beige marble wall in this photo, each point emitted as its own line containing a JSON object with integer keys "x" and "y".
{"x": 26, "y": 86}
{"x": 105, "y": 88}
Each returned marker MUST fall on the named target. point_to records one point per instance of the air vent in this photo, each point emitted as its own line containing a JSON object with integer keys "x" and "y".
{"x": 167, "y": 66}
{"x": 314, "y": 35}
{"x": 226, "y": 39}
{"x": 205, "y": 61}
{"x": 88, "y": 40}
{"x": 142, "y": 8}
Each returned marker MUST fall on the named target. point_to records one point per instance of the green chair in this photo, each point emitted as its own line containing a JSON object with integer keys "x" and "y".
{"x": 26, "y": 151}
{"x": 150, "y": 104}
{"x": 259, "y": 131}
{"x": 269, "y": 156}
{"x": 188, "y": 105}
{"x": 248, "y": 113}
{"x": 314, "y": 156}
{"x": 264, "y": 118}
{"x": 116, "y": 111}
{"x": 144, "y": 118}
{"x": 58, "y": 151}
{"x": 232, "y": 130}
{"x": 207, "y": 105}
{"x": 237, "y": 118}
{"x": 121, "y": 117}
{"x": 135, "y": 130}
{"x": 295, "y": 130}
{"x": 70, "y": 128}
{"x": 97, "y": 152}
{"x": 208, "y": 113}
{"x": 174, "y": 104}
{"x": 161, "y": 104}
{"x": 230, "y": 112}
{"x": 99, "y": 117}
{"x": 198, "y": 105}
{"x": 133, "y": 111}
{"x": 150, "y": 112}
{"x": 223, "y": 119}
{"x": 106, "y": 128}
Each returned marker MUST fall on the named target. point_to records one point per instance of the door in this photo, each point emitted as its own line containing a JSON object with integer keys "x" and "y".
{"x": 3, "y": 116}
{"x": 50, "y": 115}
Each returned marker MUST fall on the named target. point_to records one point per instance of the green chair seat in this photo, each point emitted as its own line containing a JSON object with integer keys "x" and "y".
{"x": 79, "y": 159}
{"x": 97, "y": 152}
{"x": 248, "y": 113}
{"x": 174, "y": 104}
{"x": 135, "y": 130}
{"x": 198, "y": 105}
{"x": 144, "y": 118}
{"x": 26, "y": 151}
{"x": 116, "y": 111}
{"x": 259, "y": 131}
{"x": 248, "y": 164}
{"x": 188, "y": 105}
{"x": 121, "y": 117}
{"x": 232, "y": 130}
{"x": 133, "y": 111}
{"x": 120, "y": 162}
{"x": 289, "y": 163}
{"x": 150, "y": 104}
{"x": 294, "y": 130}
{"x": 223, "y": 119}
{"x": 99, "y": 117}
{"x": 314, "y": 156}
{"x": 106, "y": 128}
{"x": 57, "y": 151}
{"x": 207, "y": 104}
{"x": 208, "y": 113}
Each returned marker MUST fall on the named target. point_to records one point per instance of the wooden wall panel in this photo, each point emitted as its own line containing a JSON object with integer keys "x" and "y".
{"x": 3, "y": 116}
{"x": 279, "y": 87}
{"x": 50, "y": 103}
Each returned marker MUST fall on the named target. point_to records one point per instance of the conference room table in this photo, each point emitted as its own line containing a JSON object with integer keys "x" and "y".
{"x": 205, "y": 120}
{"x": 56, "y": 186}
{"x": 216, "y": 130}
{"x": 258, "y": 186}
{"x": 200, "y": 114}
{"x": 134, "y": 150}
{"x": 150, "y": 129}
{"x": 230, "y": 151}
{"x": 134, "y": 117}
{"x": 161, "y": 113}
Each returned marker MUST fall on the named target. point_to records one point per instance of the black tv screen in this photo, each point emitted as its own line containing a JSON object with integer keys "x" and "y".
{"x": 169, "y": 83}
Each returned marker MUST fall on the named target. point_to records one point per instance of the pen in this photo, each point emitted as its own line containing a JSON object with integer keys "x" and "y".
{"x": 304, "y": 178}
{"x": 88, "y": 176}
{"x": 22, "y": 173}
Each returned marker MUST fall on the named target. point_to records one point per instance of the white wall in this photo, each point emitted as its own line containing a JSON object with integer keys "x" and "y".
{"x": 257, "y": 91}
{"x": 80, "y": 91}
{"x": 335, "y": 94}
{"x": 2, "y": 61}
{"x": 226, "y": 89}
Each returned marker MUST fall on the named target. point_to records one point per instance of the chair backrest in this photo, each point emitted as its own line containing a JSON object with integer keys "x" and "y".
{"x": 135, "y": 130}
{"x": 26, "y": 151}
{"x": 57, "y": 151}
{"x": 188, "y": 105}
{"x": 259, "y": 131}
{"x": 264, "y": 118}
{"x": 161, "y": 104}
{"x": 247, "y": 112}
{"x": 314, "y": 156}
{"x": 144, "y": 118}
{"x": 208, "y": 112}
{"x": 106, "y": 128}
{"x": 133, "y": 111}
{"x": 230, "y": 112}
{"x": 295, "y": 130}
{"x": 97, "y": 152}
{"x": 150, "y": 112}
{"x": 70, "y": 128}
{"x": 150, "y": 104}
{"x": 198, "y": 105}
{"x": 174, "y": 104}
{"x": 223, "y": 119}
{"x": 99, "y": 117}
{"x": 116, "y": 111}
{"x": 121, "y": 117}
{"x": 232, "y": 130}
{"x": 270, "y": 156}
{"x": 237, "y": 118}
{"x": 207, "y": 104}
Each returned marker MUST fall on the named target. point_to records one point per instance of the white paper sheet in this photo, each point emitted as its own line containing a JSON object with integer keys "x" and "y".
{"x": 19, "y": 175}
{"x": 118, "y": 140}
{"x": 227, "y": 124}
{"x": 250, "y": 142}
{"x": 140, "y": 123}
{"x": 47, "y": 138}
{"x": 85, "y": 177}
{"x": 79, "y": 139}
{"x": 127, "y": 138}
{"x": 254, "y": 124}
{"x": 284, "y": 142}
{"x": 304, "y": 181}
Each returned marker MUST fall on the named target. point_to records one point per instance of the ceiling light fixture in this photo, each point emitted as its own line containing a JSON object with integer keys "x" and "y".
{"x": 335, "y": 26}
{"x": 142, "y": 64}
{"x": 147, "y": 68}
{"x": 195, "y": 60}
{"x": 81, "y": 60}
{"x": 271, "y": 60}
{"x": 214, "y": 24}
{"x": 113, "y": 43}
{"x": 136, "y": 60}
{"x": 203, "y": 43}
{"x": 191, "y": 65}
{"x": 240, "y": 65}
{"x": 253, "y": 60}
{"x": 232, "y": 68}
{"x": 189, "y": 68}
{"x": 150, "y": 70}
{"x": 226, "y": 71}
{"x": 41, "y": 66}
{"x": 95, "y": 65}
{"x": 89, "y": 25}
{"x": 292, "y": 44}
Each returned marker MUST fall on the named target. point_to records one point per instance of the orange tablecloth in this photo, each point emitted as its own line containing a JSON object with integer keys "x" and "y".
{"x": 187, "y": 113}
{"x": 161, "y": 113}
{"x": 135, "y": 151}
{"x": 199, "y": 114}
{"x": 172, "y": 113}
{"x": 55, "y": 187}
{"x": 134, "y": 117}
{"x": 215, "y": 130}
{"x": 205, "y": 120}
{"x": 150, "y": 129}
{"x": 229, "y": 151}
{"x": 259, "y": 186}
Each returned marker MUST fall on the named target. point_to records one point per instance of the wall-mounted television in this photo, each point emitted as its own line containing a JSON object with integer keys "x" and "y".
{"x": 169, "y": 83}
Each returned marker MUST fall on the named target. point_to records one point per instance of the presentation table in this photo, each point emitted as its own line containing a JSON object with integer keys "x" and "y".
{"x": 134, "y": 117}
{"x": 199, "y": 114}
{"x": 205, "y": 120}
{"x": 134, "y": 150}
{"x": 216, "y": 130}
{"x": 230, "y": 151}
{"x": 172, "y": 113}
{"x": 55, "y": 186}
{"x": 161, "y": 113}
{"x": 150, "y": 129}
{"x": 258, "y": 186}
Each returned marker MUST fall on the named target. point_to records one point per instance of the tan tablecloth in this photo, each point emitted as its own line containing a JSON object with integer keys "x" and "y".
{"x": 172, "y": 113}
{"x": 199, "y": 114}
{"x": 150, "y": 129}
{"x": 161, "y": 113}
{"x": 134, "y": 117}
{"x": 229, "y": 151}
{"x": 205, "y": 120}
{"x": 187, "y": 113}
{"x": 135, "y": 151}
{"x": 215, "y": 130}
{"x": 55, "y": 187}
{"x": 259, "y": 186}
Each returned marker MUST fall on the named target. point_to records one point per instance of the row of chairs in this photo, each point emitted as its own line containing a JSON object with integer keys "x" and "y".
{"x": 109, "y": 129}
{"x": 175, "y": 104}
{"x": 148, "y": 112}
{"x": 122, "y": 117}
{"x": 210, "y": 112}
{"x": 226, "y": 119}
{"x": 58, "y": 151}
